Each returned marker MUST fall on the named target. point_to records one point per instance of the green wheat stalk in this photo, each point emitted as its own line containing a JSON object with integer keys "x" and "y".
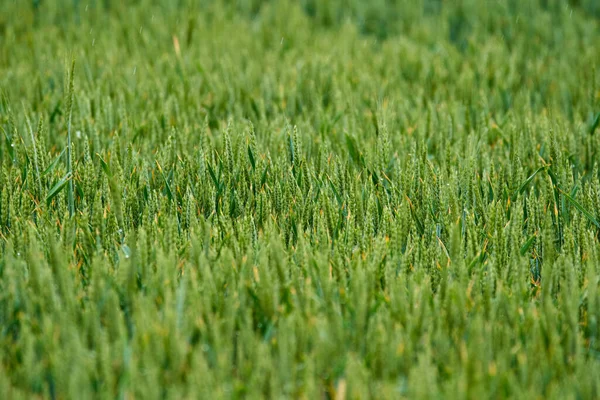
{"x": 71, "y": 199}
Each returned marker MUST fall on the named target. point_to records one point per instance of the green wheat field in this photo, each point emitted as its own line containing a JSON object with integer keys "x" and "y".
{"x": 312, "y": 199}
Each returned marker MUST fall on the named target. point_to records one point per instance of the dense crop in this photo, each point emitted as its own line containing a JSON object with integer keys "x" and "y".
{"x": 314, "y": 199}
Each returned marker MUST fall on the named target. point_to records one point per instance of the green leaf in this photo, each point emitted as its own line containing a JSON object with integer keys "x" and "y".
{"x": 54, "y": 163}
{"x": 528, "y": 181}
{"x": 58, "y": 187}
{"x": 335, "y": 192}
{"x": 420, "y": 226}
{"x": 263, "y": 180}
{"x": 527, "y": 245}
{"x": 251, "y": 157}
{"x": 578, "y": 206}
{"x": 105, "y": 166}
{"x": 213, "y": 176}
{"x": 167, "y": 186}
{"x": 595, "y": 124}
{"x": 355, "y": 154}
{"x": 291, "y": 148}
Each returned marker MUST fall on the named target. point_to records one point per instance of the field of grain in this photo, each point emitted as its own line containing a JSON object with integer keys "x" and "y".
{"x": 313, "y": 199}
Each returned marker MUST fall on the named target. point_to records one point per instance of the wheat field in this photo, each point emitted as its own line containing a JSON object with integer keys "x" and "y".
{"x": 300, "y": 199}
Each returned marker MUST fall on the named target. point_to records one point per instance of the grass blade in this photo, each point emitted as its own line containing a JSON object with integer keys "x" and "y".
{"x": 168, "y": 187}
{"x": 595, "y": 124}
{"x": 413, "y": 212}
{"x": 212, "y": 176}
{"x": 58, "y": 187}
{"x": 105, "y": 166}
{"x": 263, "y": 179}
{"x": 527, "y": 245}
{"x": 528, "y": 181}
{"x": 355, "y": 154}
{"x": 578, "y": 206}
{"x": 251, "y": 157}
{"x": 54, "y": 163}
